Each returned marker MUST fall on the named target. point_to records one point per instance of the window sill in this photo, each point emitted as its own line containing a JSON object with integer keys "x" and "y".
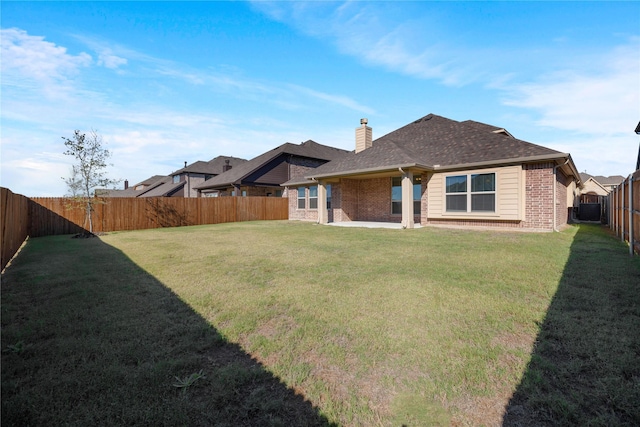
{"x": 469, "y": 215}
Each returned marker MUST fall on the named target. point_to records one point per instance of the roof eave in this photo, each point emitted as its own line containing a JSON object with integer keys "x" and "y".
{"x": 559, "y": 158}
{"x": 376, "y": 169}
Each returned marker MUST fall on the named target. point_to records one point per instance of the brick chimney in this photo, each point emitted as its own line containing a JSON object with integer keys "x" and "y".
{"x": 364, "y": 136}
{"x": 226, "y": 166}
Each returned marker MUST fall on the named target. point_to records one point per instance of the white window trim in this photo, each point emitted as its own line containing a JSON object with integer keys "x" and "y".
{"x": 469, "y": 212}
{"x": 298, "y": 198}
{"x": 308, "y": 191}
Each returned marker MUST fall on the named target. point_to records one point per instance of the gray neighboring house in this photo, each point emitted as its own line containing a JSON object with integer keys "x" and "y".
{"x": 438, "y": 171}
{"x": 137, "y": 190}
{"x": 180, "y": 183}
{"x": 189, "y": 177}
{"x": 264, "y": 174}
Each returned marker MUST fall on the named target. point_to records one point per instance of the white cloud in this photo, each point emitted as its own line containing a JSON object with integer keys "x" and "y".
{"x": 108, "y": 59}
{"x": 598, "y": 102}
{"x": 376, "y": 36}
{"x": 25, "y": 56}
{"x": 344, "y": 101}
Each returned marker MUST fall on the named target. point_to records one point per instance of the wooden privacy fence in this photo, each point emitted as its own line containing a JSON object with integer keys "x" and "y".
{"x": 14, "y": 221}
{"x": 44, "y": 216}
{"x": 624, "y": 201}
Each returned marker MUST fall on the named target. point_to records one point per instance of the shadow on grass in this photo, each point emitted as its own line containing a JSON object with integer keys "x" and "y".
{"x": 89, "y": 338}
{"x": 585, "y": 366}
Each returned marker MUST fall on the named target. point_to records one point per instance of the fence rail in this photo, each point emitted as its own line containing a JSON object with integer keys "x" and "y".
{"x": 45, "y": 216}
{"x": 625, "y": 211}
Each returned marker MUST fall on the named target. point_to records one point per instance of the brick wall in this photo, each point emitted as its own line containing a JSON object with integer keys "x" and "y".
{"x": 562, "y": 212}
{"x": 370, "y": 200}
{"x": 539, "y": 196}
{"x": 305, "y": 214}
{"x": 374, "y": 201}
{"x": 299, "y": 166}
{"x": 346, "y": 208}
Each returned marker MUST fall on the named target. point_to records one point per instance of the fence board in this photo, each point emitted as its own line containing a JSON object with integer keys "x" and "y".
{"x": 624, "y": 208}
{"x": 45, "y": 216}
{"x": 117, "y": 214}
{"x": 14, "y": 220}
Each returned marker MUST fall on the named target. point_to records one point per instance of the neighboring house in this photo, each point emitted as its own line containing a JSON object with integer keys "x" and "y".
{"x": 591, "y": 190}
{"x": 597, "y": 184}
{"x": 180, "y": 183}
{"x": 137, "y": 190}
{"x": 263, "y": 175}
{"x": 197, "y": 173}
{"x": 437, "y": 171}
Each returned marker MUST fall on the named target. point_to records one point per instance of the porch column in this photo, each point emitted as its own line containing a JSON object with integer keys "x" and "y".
{"x": 323, "y": 215}
{"x": 407, "y": 199}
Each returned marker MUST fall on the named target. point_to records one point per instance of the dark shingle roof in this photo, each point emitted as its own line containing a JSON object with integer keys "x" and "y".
{"x": 436, "y": 142}
{"x": 310, "y": 149}
{"x": 148, "y": 184}
{"x": 212, "y": 167}
{"x": 166, "y": 189}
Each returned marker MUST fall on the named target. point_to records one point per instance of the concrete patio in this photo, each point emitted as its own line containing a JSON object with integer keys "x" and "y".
{"x": 370, "y": 224}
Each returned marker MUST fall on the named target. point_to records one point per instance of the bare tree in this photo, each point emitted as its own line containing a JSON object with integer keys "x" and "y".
{"x": 74, "y": 183}
{"x": 90, "y": 170}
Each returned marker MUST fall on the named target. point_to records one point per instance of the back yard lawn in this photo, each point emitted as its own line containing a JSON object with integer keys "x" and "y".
{"x": 285, "y": 323}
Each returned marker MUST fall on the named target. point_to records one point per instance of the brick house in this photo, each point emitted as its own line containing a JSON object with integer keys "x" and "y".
{"x": 264, "y": 174}
{"x": 437, "y": 171}
{"x": 184, "y": 181}
{"x": 180, "y": 183}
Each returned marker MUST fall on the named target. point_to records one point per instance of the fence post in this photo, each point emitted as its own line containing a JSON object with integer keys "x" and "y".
{"x": 622, "y": 212}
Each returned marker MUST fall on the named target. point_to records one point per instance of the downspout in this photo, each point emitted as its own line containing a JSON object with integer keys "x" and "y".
{"x": 555, "y": 191}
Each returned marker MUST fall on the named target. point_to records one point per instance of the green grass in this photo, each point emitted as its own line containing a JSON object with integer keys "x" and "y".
{"x": 285, "y": 323}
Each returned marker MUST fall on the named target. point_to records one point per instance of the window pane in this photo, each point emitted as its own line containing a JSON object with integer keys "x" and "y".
{"x": 457, "y": 184}
{"x": 417, "y": 191}
{"x": 483, "y": 182}
{"x": 416, "y": 207}
{"x": 396, "y": 189}
{"x": 483, "y": 202}
{"x": 300, "y": 192}
{"x": 328, "y": 196}
{"x": 457, "y": 203}
{"x": 313, "y": 203}
{"x": 396, "y": 207}
{"x": 313, "y": 191}
{"x": 396, "y": 193}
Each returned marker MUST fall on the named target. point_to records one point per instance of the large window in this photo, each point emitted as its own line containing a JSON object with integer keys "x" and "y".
{"x": 301, "y": 195}
{"x": 471, "y": 193}
{"x": 313, "y": 197}
{"x": 396, "y": 194}
{"x": 328, "y": 187}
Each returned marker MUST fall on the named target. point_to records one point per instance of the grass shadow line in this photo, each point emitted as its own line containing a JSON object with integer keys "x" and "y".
{"x": 585, "y": 365}
{"x": 90, "y": 338}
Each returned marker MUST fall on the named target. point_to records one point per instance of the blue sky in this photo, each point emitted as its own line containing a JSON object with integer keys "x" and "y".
{"x": 169, "y": 82}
